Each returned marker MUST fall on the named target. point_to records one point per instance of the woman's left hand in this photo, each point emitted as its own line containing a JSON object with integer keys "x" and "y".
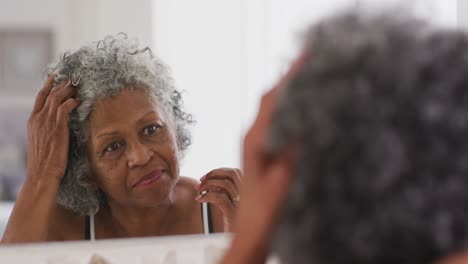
{"x": 221, "y": 188}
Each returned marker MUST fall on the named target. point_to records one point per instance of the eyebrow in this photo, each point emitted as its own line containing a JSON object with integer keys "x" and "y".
{"x": 114, "y": 133}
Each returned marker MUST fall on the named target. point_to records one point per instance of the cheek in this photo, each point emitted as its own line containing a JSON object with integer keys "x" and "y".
{"x": 165, "y": 144}
{"x": 175, "y": 161}
{"x": 171, "y": 156}
{"x": 112, "y": 166}
{"x": 174, "y": 154}
{"x": 169, "y": 153}
{"x": 108, "y": 173}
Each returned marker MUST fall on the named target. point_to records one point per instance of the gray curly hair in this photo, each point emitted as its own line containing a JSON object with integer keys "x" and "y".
{"x": 380, "y": 114}
{"x": 100, "y": 70}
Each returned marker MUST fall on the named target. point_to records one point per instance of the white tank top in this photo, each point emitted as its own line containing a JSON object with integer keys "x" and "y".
{"x": 205, "y": 219}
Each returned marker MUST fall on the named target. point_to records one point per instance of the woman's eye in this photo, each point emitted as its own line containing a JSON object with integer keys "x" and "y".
{"x": 149, "y": 130}
{"x": 112, "y": 147}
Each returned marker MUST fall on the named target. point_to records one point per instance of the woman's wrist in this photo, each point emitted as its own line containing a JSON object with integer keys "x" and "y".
{"x": 44, "y": 176}
{"x": 38, "y": 188}
{"x": 31, "y": 214}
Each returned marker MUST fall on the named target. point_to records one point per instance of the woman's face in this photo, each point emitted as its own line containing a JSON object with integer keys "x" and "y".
{"x": 132, "y": 150}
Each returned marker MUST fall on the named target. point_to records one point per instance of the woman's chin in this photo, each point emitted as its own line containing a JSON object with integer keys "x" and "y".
{"x": 155, "y": 194}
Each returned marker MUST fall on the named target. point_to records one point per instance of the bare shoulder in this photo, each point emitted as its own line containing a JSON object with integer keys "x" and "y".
{"x": 187, "y": 216}
{"x": 186, "y": 188}
{"x": 65, "y": 225}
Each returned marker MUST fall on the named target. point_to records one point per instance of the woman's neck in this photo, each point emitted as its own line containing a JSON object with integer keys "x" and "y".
{"x": 132, "y": 221}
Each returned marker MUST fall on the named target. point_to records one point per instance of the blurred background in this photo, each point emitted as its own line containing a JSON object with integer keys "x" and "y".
{"x": 223, "y": 54}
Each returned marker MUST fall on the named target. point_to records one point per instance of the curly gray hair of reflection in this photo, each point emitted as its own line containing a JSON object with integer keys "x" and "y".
{"x": 100, "y": 70}
{"x": 380, "y": 116}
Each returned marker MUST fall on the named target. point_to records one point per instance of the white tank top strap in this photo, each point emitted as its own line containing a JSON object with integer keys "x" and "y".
{"x": 206, "y": 226}
{"x": 92, "y": 234}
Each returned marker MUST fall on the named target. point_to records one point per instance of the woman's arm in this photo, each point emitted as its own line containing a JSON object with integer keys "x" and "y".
{"x": 47, "y": 160}
{"x": 30, "y": 218}
{"x": 266, "y": 185}
{"x": 265, "y": 189}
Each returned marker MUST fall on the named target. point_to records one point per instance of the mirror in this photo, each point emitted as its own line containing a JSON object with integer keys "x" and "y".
{"x": 222, "y": 57}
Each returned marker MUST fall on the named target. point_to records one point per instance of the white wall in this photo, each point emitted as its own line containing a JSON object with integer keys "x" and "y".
{"x": 94, "y": 19}
{"x": 225, "y": 53}
{"x": 462, "y": 14}
{"x": 76, "y": 22}
{"x": 44, "y": 14}
{"x": 201, "y": 41}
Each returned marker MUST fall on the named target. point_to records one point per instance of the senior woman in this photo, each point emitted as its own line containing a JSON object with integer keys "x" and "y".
{"x": 360, "y": 154}
{"x": 106, "y": 135}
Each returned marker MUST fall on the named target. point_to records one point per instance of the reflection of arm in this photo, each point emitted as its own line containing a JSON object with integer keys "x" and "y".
{"x": 48, "y": 136}
{"x": 30, "y": 218}
{"x": 268, "y": 179}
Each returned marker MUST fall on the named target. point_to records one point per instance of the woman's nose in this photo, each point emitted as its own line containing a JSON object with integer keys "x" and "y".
{"x": 139, "y": 154}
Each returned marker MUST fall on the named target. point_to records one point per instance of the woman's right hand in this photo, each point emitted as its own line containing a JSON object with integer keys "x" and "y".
{"x": 48, "y": 132}
{"x": 31, "y": 218}
{"x": 267, "y": 181}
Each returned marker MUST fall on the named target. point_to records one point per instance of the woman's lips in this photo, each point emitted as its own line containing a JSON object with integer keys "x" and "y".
{"x": 148, "y": 178}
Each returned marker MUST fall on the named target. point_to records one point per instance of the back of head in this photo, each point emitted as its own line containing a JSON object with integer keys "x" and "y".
{"x": 380, "y": 116}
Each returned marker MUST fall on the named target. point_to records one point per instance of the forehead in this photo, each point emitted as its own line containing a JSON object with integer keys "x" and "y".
{"x": 124, "y": 109}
